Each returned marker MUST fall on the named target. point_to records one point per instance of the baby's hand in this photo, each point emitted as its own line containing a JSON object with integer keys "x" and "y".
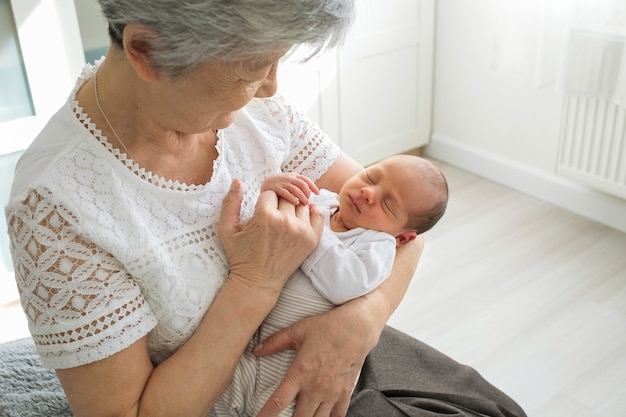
{"x": 295, "y": 188}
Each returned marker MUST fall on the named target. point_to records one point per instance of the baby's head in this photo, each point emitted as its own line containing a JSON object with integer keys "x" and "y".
{"x": 402, "y": 195}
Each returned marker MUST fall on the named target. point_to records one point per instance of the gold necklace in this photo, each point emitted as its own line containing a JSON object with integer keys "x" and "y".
{"x": 95, "y": 92}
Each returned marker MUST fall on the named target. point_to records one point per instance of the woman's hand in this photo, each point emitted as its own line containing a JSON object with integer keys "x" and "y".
{"x": 331, "y": 349}
{"x": 264, "y": 251}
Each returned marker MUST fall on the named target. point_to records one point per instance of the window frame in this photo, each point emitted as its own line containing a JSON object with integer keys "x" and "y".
{"x": 49, "y": 41}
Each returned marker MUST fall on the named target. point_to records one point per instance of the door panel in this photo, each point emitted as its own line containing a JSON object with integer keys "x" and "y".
{"x": 385, "y": 79}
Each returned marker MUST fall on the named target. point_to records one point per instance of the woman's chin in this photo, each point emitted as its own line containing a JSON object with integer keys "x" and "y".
{"x": 224, "y": 120}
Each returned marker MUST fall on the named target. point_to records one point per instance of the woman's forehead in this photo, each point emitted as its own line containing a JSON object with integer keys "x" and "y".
{"x": 264, "y": 60}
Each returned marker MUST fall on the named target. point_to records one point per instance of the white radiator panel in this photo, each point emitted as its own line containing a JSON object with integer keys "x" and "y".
{"x": 593, "y": 144}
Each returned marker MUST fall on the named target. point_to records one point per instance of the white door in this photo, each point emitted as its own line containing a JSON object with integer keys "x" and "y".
{"x": 385, "y": 79}
{"x": 312, "y": 88}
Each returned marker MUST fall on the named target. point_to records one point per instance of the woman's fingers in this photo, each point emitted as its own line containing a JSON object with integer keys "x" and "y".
{"x": 287, "y": 207}
{"x": 231, "y": 207}
{"x": 323, "y": 373}
{"x": 268, "y": 247}
{"x": 313, "y": 214}
{"x": 267, "y": 202}
{"x": 309, "y": 215}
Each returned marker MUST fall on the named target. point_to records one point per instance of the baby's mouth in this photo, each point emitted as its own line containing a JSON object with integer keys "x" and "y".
{"x": 356, "y": 207}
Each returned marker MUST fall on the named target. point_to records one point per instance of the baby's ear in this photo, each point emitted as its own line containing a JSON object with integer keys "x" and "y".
{"x": 405, "y": 237}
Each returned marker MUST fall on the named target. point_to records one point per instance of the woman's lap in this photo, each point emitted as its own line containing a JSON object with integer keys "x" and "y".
{"x": 403, "y": 377}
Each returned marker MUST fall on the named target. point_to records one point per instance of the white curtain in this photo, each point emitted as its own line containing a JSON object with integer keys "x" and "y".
{"x": 577, "y": 45}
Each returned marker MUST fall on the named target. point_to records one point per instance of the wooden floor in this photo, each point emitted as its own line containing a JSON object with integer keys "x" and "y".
{"x": 532, "y": 296}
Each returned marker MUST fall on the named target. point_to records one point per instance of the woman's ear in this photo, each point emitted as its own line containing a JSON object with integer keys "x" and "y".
{"x": 138, "y": 41}
{"x": 405, "y": 237}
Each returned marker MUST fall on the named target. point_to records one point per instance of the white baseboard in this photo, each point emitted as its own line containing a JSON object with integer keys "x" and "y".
{"x": 547, "y": 186}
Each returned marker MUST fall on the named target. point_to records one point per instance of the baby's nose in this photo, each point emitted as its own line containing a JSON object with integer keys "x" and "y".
{"x": 369, "y": 194}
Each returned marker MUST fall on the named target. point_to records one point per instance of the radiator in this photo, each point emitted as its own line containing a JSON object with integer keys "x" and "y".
{"x": 592, "y": 139}
{"x": 593, "y": 144}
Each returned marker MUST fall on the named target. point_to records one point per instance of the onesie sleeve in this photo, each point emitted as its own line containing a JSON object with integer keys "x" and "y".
{"x": 81, "y": 304}
{"x": 341, "y": 272}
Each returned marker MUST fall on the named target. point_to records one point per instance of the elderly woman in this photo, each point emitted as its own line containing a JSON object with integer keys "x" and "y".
{"x": 145, "y": 256}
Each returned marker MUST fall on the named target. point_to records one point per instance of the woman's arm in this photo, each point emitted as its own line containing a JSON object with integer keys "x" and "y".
{"x": 332, "y": 347}
{"x": 343, "y": 168}
{"x": 187, "y": 383}
{"x": 262, "y": 254}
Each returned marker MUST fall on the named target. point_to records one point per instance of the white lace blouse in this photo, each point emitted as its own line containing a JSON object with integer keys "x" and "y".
{"x": 105, "y": 252}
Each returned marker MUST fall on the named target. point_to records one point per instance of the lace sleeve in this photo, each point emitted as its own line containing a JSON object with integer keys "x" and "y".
{"x": 81, "y": 304}
{"x": 312, "y": 151}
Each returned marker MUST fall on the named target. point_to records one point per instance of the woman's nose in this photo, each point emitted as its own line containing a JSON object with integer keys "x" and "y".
{"x": 269, "y": 85}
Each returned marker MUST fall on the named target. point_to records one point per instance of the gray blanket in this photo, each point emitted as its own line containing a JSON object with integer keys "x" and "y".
{"x": 27, "y": 389}
{"x": 401, "y": 377}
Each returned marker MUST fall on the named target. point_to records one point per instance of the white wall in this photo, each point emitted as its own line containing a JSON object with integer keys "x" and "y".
{"x": 93, "y": 27}
{"x": 495, "y": 112}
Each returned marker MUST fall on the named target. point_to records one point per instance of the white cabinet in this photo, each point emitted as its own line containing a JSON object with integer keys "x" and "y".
{"x": 373, "y": 95}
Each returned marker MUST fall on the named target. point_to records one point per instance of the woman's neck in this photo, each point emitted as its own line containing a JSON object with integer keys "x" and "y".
{"x": 168, "y": 154}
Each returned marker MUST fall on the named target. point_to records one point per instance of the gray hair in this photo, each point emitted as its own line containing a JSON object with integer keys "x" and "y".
{"x": 188, "y": 32}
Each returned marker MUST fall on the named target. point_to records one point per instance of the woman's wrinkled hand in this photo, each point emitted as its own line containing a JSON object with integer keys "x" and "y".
{"x": 265, "y": 250}
{"x": 331, "y": 349}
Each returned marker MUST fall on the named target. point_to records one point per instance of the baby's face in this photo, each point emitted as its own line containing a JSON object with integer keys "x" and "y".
{"x": 380, "y": 197}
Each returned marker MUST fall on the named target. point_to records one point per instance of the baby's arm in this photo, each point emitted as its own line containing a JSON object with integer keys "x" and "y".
{"x": 341, "y": 272}
{"x": 294, "y": 188}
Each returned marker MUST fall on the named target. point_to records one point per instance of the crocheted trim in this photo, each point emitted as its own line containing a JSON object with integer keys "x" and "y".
{"x": 88, "y": 72}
